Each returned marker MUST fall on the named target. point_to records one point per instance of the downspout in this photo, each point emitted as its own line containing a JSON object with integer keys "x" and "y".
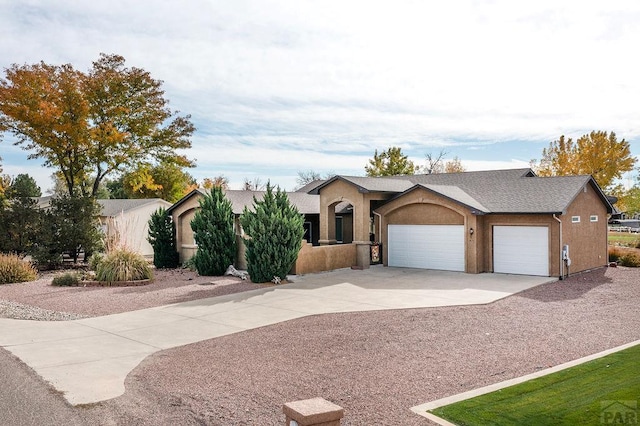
{"x": 560, "y": 248}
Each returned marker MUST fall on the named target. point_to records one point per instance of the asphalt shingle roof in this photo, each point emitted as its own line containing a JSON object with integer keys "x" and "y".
{"x": 511, "y": 191}
{"x": 113, "y": 207}
{"x": 306, "y": 203}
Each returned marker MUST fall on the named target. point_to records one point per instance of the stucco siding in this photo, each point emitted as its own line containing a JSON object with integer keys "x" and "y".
{"x": 587, "y": 240}
{"x": 485, "y": 234}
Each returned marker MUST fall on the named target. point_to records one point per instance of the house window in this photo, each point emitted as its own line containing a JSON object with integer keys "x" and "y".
{"x": 575, "y": 219}
{"x": 593, "y": 218}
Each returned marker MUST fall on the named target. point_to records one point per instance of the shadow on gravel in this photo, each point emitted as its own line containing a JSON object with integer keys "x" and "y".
{"x": 573, "y": 287}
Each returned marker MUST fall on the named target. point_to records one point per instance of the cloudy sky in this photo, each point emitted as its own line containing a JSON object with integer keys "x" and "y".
{"x": 279, "y": 86}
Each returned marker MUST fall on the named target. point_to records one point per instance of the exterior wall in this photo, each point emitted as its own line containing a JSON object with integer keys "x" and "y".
{"x": 337, "y": 192}
{"x": 132, "y": 227}
{"x": 182, "y": 216}
{"x": 324, "y": 258}
{"x": 485, "y": 236}
{"x": 587, "y": 240}
{"x": 422, "y": 207}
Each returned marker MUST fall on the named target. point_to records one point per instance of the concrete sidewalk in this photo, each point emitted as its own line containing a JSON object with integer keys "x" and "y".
{"x": 89, "y": 359}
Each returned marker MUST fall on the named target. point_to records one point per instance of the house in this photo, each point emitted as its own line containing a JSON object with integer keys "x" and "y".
{"x": 124, "y": 220}
{"x": 504, "y": 221}
{"x": 184, "y": 210}
{"x": 127, "y": 221}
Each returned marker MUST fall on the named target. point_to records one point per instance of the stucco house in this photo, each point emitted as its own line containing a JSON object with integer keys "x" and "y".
{"x": 504, "y": 221}
{"x": 184, "y": 210}
{"x": 127, "y": 220}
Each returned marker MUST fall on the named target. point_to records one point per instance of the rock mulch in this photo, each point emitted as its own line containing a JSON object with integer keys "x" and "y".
{"x": 377, "y": 365}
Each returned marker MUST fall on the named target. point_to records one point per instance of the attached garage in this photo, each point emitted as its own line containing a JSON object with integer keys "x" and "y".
{"x": 521, "y": 250}
{"x": 427, "y": 247}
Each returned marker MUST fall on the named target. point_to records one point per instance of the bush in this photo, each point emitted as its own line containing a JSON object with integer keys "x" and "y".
{"x": 162, "y": 237}
{"x": 13, "y": 269}
{"x": 213, "y": 231}
{"x": 66, "y": 280}
{"x": 630, "y": 259}
{"x": 274, "y": 236}
{"x": 123, "y": 265}
{"x": 615, "y": 254}
{"x": 95, "y": 260}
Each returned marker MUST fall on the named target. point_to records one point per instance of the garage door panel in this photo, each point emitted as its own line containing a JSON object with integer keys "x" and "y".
{"x": 426, "y": 246}
{"x": 521, "y": 250}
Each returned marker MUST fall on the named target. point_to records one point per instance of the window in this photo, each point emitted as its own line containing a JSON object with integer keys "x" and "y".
{"x": 593, "y": 218}
{"x": 575, "y": 219}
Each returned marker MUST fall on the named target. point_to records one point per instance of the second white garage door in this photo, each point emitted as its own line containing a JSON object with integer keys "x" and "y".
{"x": 426, "y": 246}
{"x": 521, "y": 250}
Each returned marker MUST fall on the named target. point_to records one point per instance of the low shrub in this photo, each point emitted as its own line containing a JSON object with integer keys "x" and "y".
{"x": 123, "y": 265}
{"x": 14, "y": 269}
{"x": 66, "y": 280}
{"x": 630, "y": 259}
{"x": 615, "y": 254}
{"x": 94, "y": 261}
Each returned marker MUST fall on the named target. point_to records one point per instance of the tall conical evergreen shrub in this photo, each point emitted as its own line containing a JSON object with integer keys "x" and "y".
{"x": 162, "y": 237}
{"x": 213, "y": 231}
{"x": 274, "y": 230}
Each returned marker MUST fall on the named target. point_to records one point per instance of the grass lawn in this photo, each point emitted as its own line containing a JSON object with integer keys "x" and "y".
{"x": 622, "y": 238}
{"x": 575, "y": 396}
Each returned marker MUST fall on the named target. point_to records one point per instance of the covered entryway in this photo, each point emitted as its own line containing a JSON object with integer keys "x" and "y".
{"x": 427, "y": 246}
{"x": 521, "y": 250}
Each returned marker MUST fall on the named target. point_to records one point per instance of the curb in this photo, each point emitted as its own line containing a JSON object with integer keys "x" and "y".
{"x": 422, "y": 409}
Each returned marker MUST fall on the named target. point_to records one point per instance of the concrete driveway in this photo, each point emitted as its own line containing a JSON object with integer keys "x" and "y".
{"x": 89, "y": 359}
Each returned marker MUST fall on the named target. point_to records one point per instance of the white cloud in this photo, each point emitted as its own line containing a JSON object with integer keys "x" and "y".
{"x": 290, "y": 85}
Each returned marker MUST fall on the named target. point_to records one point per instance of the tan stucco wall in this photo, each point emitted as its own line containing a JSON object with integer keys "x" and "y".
{"x": 422, "y": 207}
{"x": 324, "y": 258}
{"x": 336, "y": 192}
{"x": 182, "y": 216}
{"x": 485, "y": 234}
{"x": 587, "y": 240}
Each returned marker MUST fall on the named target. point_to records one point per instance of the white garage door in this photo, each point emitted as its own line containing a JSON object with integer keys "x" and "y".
{"x": 426, "y": 246}
{"x": 521, "y": 250}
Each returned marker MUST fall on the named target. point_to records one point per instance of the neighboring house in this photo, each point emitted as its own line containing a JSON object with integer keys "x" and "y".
{"x": 505, "y": 221}
{"x": 184, "y": 210}
{"x": 126, "y": 221}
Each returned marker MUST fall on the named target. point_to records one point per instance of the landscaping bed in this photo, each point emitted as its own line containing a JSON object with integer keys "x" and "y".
{"x": 168, "y": 286}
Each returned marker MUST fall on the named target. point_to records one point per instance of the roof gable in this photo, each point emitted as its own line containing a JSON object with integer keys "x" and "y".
{"x": 113, "y": 207}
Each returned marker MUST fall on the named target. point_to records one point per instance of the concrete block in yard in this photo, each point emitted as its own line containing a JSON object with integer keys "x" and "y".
{"x": 313, "y": 412}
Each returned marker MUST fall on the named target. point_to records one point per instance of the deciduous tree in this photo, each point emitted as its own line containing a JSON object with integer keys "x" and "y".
{"x": 220, "y": 181}
{"x": 598, "y": 153}
{"x": 165, "y": 180}
{"x": 454, "y": 166}
{"x": 390, "y": 163}
{"x": 91, "y": 125}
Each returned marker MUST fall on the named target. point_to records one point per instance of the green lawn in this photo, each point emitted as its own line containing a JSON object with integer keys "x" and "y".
{"x": 575, "y": 396}
{"x": 623, "y": 238}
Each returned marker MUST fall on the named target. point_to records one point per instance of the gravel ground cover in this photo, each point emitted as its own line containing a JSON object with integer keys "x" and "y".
{"x": 38, "y": 300}
{"x": 379, "y": 364}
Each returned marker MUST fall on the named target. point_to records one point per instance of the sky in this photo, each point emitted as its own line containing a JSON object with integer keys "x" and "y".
{"x": 275, "y": 87}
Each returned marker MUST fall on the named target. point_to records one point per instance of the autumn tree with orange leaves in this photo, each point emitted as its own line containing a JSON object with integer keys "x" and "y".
{"x": 598, "y": 153}
{"x": 91, "y": 125}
